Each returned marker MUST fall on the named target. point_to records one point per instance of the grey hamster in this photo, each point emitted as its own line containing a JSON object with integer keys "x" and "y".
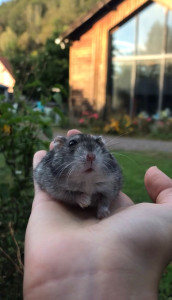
{"x": 80, "y": 170}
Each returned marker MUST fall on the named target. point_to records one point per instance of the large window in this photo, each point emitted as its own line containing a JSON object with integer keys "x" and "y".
{"x": 141, "y": 70}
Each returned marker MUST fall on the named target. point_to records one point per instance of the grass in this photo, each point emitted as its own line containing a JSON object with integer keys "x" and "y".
{"x": 134, "y": 166}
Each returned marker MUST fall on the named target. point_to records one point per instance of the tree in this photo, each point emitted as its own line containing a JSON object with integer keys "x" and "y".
{"x": 8, "y": 41}
{"x": 154, "y": 39}
{"x": 37, "y": 73}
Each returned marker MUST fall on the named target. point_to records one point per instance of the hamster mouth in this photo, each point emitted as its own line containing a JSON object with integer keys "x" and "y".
{"x": 89, "y": 170}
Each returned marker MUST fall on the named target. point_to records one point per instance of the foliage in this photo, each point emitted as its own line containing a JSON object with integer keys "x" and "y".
{"x": 34, "y": 21}
{"x": 21, "y": 129}
{"x": 8, "y": 41}
{"x": 119, "y": 125}
{"x": 157, "y": 126}
{"x": 88, "y": 118}
{"x": 27, "y": 35}
{"x": 165, "y": 289}
{"x": 37, "y": 73}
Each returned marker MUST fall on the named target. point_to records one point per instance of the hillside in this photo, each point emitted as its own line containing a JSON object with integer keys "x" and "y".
{"x": 26, "y": 24}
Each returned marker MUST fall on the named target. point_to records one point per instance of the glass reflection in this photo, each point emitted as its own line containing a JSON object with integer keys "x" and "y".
{"x": 148, "y": 25}
{"x": 121, "y": 87}
{"x": 147, "y": 87}
{"x": 123, "y": 39}
{"x": 150, "y": 29}
{"x": 167, "y": 91}
{"x": 169, "y": 32}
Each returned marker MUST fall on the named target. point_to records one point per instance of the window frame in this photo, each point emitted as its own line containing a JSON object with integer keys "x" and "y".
{"x": 162, "y": 57}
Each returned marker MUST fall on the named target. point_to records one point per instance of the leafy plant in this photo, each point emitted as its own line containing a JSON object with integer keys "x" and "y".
{"x": 21, "y": 133}
{"x": 119, "y": 125}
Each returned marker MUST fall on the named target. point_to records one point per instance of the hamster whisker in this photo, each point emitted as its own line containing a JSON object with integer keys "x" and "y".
{"x": 109, "y": 138}
{"x": 59, "y": 167}
{"x": 69, "y": 173}
{"x": 48, "y": 161}
{"x": 120, "y": 154}
{"x": 110, "y": 141}
{"x": 62, "y": 170}
{"x": 106, "y": 168}
{"x": 107, "y": 164}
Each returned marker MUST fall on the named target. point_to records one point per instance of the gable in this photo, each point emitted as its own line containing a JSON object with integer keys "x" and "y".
{"x": 7, "y": 65}
{"x": 81, "y": 25}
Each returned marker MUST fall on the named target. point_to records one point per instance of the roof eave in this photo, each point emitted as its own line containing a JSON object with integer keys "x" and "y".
{"x": 84, "y": 20}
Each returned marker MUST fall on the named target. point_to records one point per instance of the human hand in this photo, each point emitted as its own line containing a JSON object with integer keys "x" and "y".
{"x": 71, "y": 255}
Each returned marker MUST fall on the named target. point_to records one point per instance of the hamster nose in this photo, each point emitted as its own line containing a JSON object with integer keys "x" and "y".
{"x": 90, "y": 157}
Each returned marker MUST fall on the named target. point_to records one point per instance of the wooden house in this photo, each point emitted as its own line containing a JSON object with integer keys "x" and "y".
{"x": 6, "y": 74}
{"x": 121, "y": 57}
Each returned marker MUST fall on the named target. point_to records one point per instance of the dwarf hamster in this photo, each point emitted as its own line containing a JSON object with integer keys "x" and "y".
{"x": 80, "y": 170}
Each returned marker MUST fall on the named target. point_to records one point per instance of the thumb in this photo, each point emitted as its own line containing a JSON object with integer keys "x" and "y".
{"x": 40, "y": 196}
{"x": 36, "y": 160}
{"x": 158, "y": 186}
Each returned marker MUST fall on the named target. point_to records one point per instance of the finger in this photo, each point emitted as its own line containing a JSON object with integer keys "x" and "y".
{"x": 52, "y": 145}
{"x": 38, "y": 157}
{"x": 158, "y": 185}
{"x": 72, "y": 132}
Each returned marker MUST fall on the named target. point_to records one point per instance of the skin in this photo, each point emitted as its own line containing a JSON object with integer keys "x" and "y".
{"x": 71, "y": 255}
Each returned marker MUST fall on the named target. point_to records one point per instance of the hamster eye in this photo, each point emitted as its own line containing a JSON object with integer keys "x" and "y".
{"x": 72, "y": 142}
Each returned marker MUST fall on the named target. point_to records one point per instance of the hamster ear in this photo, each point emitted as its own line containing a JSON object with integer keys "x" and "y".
{"x": 59, "y": 141}
{"x": 100, "y": 140}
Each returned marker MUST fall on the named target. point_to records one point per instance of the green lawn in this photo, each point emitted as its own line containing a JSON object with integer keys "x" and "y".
{"x": 135, "y": 164}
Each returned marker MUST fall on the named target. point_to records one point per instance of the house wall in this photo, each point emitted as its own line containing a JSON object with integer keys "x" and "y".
{"x": 6, "y": 78}
{"x": 89, "y": 57}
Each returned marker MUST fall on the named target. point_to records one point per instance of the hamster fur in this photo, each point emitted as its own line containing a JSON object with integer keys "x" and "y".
{"x": 81, "y": 171}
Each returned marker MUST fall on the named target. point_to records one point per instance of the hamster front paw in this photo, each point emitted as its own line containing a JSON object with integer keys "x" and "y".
{"x": 103, "y": 212}
{"x": 83, "y": 200}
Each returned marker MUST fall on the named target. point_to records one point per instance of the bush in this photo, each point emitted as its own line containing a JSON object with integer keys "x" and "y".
{"x": 21, "y": 129}
{"x": 119, "y": 125}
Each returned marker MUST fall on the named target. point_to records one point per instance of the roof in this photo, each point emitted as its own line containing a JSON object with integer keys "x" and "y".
{"x": 86, "y": 22}
{"x": 3, "y": 87}
{"x": 7, "y": 65}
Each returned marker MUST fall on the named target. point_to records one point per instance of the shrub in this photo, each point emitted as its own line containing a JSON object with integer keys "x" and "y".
{"x": 119, "y": 125}
{"x": 21, "y": 130}
{"x": 157, "y": 126}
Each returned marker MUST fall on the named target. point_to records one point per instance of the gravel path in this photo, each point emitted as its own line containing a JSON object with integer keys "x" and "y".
{"x": 131, "y": 144}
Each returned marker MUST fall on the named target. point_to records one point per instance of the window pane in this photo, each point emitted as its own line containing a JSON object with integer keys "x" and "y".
{"x": 167, "y": 92}
{"x": 147, "y": 87}
{"x": 150, "y": 29}
{"x": 169, "y": 32}
{"x": 123, "y": 39}
{"x": 121, "y": 87}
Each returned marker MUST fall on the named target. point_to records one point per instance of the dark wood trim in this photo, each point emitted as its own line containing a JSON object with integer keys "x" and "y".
{"x": 85, "y": 23}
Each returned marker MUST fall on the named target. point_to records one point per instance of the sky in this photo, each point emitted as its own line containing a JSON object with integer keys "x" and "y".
{"x": 1, "y": 1}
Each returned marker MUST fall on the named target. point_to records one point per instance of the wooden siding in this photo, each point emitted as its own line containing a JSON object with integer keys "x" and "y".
{"x": 89, "y": 57}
